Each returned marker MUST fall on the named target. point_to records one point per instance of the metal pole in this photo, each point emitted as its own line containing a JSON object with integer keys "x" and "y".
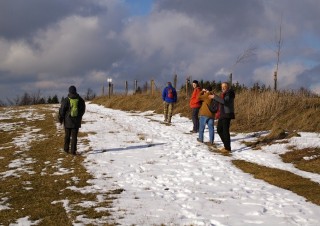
{"x": 275, "y": 81}
{"x": 109, "y": 90}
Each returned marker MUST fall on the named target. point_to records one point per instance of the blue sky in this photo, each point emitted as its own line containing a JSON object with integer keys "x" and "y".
{"x": 49, "y": 45}
{"x": 139, "y": 7}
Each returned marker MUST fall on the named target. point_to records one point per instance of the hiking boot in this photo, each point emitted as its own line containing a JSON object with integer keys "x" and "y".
{"x": 193, "y": 131}
{"x": 199, "y": 140}
{"x": 211, "y": 144}
{"x": 224, "y": 151}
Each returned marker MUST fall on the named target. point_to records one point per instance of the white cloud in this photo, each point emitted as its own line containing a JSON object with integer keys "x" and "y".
{"x": 97, "y": 38}
{"x": 60, "y": 48}
{"x": 287, "y": 74}
{"x": 17, "y": 57}
{"x": 169, "y": 33}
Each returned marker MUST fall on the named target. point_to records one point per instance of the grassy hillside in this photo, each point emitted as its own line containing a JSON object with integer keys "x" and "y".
{"x": 255, "y": 111}
{"x": 40, "y": 181}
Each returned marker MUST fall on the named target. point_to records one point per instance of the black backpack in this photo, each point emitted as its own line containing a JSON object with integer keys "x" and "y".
{"x": 213, "y": 106}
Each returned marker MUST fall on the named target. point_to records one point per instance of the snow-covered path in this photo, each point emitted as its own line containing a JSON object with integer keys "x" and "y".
{"x": 170, "y": 178}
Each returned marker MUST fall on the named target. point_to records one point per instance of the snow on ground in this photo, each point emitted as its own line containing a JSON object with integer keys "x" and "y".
{"x": 26, "y": 135}
{"x": 167, "y": 176}
{"x": 170, "y": 178}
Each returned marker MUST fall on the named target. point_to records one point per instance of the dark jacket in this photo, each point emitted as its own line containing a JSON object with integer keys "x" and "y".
{"x": 165, "y": 94}
{"x": 64, "y": 112}
{"x": 226, "y": 105}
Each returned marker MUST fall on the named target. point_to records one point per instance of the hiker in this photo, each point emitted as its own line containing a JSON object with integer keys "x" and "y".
{"x": 224, "y": 115}
{"x": 195, "y": 105}
{"x": 70, "y": 114}
{"x": 206, "y": 116}
{"x": 169, "y": 97}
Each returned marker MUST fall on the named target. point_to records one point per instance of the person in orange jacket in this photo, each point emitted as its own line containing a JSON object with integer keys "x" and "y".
{"x": 195, "y": 105}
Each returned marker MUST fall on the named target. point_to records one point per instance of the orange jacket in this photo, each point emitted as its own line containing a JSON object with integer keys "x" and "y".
{"x": 194, "y": 101}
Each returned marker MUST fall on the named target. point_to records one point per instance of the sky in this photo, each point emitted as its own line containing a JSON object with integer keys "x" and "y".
{"x": 167, "y": 176}
{"x": 48, "y": 45}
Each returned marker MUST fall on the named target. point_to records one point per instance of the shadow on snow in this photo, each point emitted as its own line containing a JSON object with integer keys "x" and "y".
{"x": 126, "y": 148}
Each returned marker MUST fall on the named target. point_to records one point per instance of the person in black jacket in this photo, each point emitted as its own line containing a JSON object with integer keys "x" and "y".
{"x": 71, "y": 123}
{"x": 224, "y": 115}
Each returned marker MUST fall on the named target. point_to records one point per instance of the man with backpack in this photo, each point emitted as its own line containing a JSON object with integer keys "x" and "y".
{"x": 70, "y": 114}
{"x": 169, "y": 97}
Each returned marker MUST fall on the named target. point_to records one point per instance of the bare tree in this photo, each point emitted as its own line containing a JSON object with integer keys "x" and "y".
{"x": 2, "y": 104}
{"x": 90, "y": 94}
{"x": 36, "y": 97}
{"x": 244, "y": 57}
{"x": 10, "y": 102}
{"x": 279, "y": 44}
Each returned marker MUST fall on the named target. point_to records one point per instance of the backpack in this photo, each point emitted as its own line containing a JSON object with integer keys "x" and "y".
{"x": 213, "y": 106}
{"x": 170, "y": 93}
{"x": 73, "y": 107}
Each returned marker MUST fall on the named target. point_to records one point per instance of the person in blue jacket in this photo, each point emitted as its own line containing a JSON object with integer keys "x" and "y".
{"x": 169, "y": 97}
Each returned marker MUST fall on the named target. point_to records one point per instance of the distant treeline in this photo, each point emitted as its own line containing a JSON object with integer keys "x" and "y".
{"x": 37, "y": 98}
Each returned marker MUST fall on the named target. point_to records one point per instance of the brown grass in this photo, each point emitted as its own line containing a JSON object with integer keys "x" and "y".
{"x": 144, "y": 102}
{"x": 276, "y": 134}
{"x": 255, "y": 111}
{"x": 46, "y": 187}
{"x": 291, "y": 111}
{"x": 307, "y": 159}
{"x": 283, "y": 179}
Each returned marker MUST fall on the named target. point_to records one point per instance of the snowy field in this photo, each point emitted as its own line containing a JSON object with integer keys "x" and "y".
{"x": 169, "y": 178}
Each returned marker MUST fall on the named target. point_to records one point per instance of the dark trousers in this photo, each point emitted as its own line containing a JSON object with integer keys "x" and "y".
{"x": 195, "y": 119}
{"x": 224, "y": 133}
{"x": 73, "y": 133}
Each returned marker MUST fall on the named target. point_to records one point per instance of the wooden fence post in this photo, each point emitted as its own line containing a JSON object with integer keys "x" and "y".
{"x": 175, "y": 81}
{"x": 126, "y": 87}
{"x": 152, "y": 87}
{"x": 187, "y": 87}
{"x": 135, "y": 86}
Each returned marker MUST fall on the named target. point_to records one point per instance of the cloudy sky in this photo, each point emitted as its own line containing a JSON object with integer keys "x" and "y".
{"x": 49, "y": 45}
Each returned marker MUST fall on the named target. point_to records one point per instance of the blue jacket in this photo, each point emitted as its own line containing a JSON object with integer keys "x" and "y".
{"x": 165, "y": 94}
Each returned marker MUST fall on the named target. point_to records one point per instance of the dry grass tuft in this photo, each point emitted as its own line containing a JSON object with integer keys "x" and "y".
{"x": 307, "y": 159}
{"x": 275, "y": 135}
